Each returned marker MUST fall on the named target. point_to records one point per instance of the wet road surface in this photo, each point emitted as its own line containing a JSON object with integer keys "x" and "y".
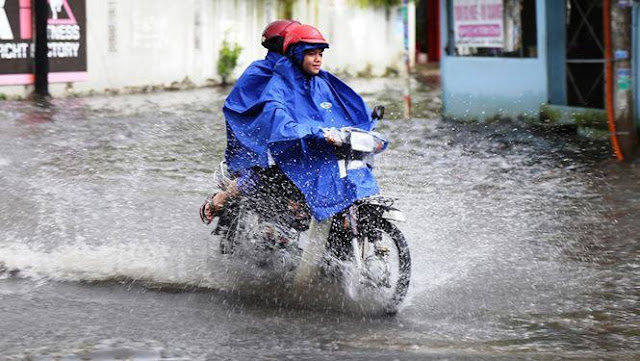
{"x": 525, "y": 243}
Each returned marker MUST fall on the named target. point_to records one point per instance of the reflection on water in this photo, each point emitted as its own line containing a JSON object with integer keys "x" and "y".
{"x": 524, "y": 242}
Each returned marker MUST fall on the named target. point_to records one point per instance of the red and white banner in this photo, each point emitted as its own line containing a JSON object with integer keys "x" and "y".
{"x": 479, "y": 23}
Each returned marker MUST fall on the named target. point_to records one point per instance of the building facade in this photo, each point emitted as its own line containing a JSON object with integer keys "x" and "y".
{"x": 139, "y": 43}
{"x": 541, "y": 60}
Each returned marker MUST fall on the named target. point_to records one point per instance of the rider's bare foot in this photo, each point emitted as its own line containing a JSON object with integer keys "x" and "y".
{"x": 215, "y": 202}
{"x": 212, "y": 206}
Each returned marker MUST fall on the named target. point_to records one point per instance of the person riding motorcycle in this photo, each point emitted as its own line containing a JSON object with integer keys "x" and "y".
{"x": 297, "y": 141}
{"x": 303, "y": 104}
{"x": 242, "y": 106}
{"x": 243, "y": 103}
{"x": 299, "y": 106}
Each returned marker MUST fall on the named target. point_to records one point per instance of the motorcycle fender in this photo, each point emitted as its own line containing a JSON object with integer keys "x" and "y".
{"x": 393, "y": 214}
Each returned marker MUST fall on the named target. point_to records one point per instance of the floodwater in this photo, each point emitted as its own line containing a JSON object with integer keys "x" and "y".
{"x": 525, "y": 243}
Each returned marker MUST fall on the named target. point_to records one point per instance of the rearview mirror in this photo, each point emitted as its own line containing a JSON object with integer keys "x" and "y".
{"x": 378, "y": 112}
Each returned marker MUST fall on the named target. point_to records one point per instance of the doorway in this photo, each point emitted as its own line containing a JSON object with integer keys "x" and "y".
{"x": 428, "y": 31}
{"x": 585, "y": 64}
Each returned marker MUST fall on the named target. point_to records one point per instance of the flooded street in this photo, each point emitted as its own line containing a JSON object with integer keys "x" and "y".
{"x": 525, "y": 243}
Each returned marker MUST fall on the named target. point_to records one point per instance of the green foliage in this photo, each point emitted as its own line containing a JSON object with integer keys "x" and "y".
{"x": 228, "y": 59}
{"x": 367, "y": 72}
{"x": 3, "y": 96}
{"x": 391, "y": 72}
{"x": 378, "y": 3}
{"x": 286, "y": 8}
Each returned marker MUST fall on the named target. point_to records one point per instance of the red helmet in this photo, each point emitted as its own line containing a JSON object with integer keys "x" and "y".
{"x": 302, "y": 34}
{"x": 273, "y": 34}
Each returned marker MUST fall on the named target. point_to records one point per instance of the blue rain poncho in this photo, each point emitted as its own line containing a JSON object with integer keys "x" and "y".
{"x": 240, "y": 108}
{"x": 294, "y": 109}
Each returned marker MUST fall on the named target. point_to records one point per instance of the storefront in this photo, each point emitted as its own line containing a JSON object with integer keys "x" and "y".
{"x": 538, "y": 59}
{"x": 67, "y": 34}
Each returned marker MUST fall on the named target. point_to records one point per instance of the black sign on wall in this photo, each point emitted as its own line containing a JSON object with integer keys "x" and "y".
{"x": 66, "y": 32}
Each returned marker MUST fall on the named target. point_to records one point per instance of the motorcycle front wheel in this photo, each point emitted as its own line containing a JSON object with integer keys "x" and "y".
{"x": 382, "y": 265}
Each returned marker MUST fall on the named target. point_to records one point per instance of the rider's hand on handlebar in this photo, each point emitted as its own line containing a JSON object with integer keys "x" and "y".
{"x": 379, "y": 146}
{"x": 333, "y": 136}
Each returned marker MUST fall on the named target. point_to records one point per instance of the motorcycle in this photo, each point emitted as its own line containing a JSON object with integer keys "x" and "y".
{"x": 360, "y": 246}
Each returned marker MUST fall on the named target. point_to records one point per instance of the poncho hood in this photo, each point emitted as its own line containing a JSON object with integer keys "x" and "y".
{"x": 296, "y": 52}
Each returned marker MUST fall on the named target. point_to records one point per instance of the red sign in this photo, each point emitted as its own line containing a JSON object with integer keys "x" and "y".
{"x": 479, "y": 23}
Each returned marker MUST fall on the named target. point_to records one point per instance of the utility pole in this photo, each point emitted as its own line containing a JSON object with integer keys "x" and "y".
{"x": 407, "y": 60}
{"x": 620, "y": 102}
{"x": 42, "y": 49}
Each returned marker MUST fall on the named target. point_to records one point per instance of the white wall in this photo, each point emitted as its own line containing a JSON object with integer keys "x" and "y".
{"x": 153, "y": 42}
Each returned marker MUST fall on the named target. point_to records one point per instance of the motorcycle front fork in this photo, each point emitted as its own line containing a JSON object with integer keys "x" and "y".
{"x": 358, "y": 252}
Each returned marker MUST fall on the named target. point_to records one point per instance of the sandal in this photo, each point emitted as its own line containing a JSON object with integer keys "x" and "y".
{"x": 212, "y": 210}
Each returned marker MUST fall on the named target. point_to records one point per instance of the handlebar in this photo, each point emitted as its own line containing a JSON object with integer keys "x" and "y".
{"x": 356, "y": 139}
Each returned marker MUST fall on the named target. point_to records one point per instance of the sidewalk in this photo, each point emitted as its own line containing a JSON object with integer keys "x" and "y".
{"x": 428, "y": 74}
